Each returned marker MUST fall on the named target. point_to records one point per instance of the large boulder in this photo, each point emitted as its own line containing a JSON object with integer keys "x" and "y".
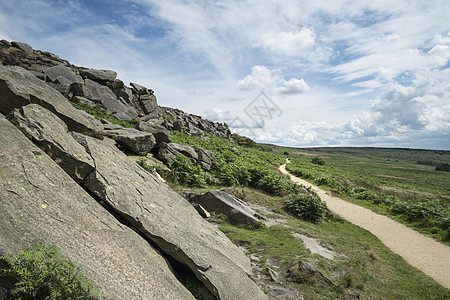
{"x": 220, "y": 202}
{"x": 64, "y": 80}
{"x": 100, "y": 76}
{"x": 18, "y": 87}
{"x": 39, "y": 202}
{"x": 51, "y": 134}
{"x": 132, "y": 139}
{"x": 170, "y": 222}
{"x": 144, "y": 100}
{"x": 61, "y": 71}
{"x": 160, "y": 133}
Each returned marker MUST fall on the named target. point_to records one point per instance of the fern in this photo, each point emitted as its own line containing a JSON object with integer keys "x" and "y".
{"x": 42, "y": 273}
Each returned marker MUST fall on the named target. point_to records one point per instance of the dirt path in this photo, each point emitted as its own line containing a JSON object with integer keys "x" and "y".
{"x": 424, "y": 253}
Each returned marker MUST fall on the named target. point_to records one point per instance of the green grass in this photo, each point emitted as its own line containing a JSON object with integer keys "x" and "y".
{"x": 395, "y": 171}
{"x": 100, "y": 113}
{"x": 367, "y": 267}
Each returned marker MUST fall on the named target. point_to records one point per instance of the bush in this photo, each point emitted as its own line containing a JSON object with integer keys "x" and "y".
{"x": 42, "y": 273}
{"x": 184, "y": 172}
{"x": 318, "y": 161}
{"x": 306, "y": 207}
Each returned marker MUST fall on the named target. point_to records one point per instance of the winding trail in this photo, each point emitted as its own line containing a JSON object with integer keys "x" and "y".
{"x": 422, "y": 252}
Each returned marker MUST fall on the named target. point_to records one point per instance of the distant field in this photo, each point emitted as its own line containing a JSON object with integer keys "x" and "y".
{"x": 402, "y": 183}
{"x": 393, "y": 171}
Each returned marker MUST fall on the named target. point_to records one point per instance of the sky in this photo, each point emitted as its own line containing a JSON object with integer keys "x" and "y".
{"x": 295, "y": 73}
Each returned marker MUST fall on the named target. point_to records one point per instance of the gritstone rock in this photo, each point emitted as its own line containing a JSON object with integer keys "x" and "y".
{"x": 39, "y": 202}
{"x": 19, "y": 87}
{"x": 169, "y": 221}
{"x": 220, "y": 202}
{"x": 51, "y": 134}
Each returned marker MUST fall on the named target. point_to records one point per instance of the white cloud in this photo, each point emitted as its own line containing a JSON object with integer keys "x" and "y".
{"x": 260, "y": 78}
{"x": 290, "y": 43}
{"x": 293, "y": 86}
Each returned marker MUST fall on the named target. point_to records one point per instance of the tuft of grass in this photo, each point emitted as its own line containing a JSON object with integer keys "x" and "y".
{"x": 100, "y": 113}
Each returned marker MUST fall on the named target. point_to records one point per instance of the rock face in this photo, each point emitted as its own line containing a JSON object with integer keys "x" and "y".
{"x": 193, "y": 125}
{"x": 18, "y": 87}
{"x": 235, "y": 209}
{"x": 109, "y": 213}
{"x": 169, "y": 151}
{"x": 53, "y": 137}
{"x": 160, "y": 133}
{"x": 144, "y": 100}
{"x": 170, "y": 221}
{"x": 39, "y": 202}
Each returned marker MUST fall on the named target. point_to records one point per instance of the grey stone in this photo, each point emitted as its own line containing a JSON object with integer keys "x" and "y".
{"x": 39, "y": 75}
{"x": 103, "y": 95}
{"x": 170, "y": 221}
{"x": 236, "y": 210}
{"x": 304, "y": 272}
{"x": 19, "y": 87}
{"x": 137, "y": 141}
{"x": 22, "y": 46}
{"x": 39, "y": 202}
{"x": 61, "y": 71}
{"x": 121, "y": 91}
{"x": 160, "y": 133}
{"x": 169, "y": 151}
{"x": 145, "y": 100}
{"x": 205, "y": 158}
{"x": 99, "y": 75}
{"x": 51, "y": 134}
{"x": 96, "y": 125}
{"x": 79, "y": 99}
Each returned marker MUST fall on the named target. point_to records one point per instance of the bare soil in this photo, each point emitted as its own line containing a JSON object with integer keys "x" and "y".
{"x": 420, "y": 251}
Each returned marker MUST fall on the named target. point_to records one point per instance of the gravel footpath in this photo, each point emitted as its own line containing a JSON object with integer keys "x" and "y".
{"x": 422, "y": 252}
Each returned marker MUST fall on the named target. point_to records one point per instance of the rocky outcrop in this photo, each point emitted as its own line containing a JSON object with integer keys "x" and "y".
{"x": 144, "y": 101}
{"x": 113, "y": 214}
{"x": 169, "y": 221}
{"x": 236, "y": 211}
{"x": 51, "y": 134}
{"x": 39, "y": 202}
{"x": 160, "y": 133}
{"x": 168, "y": 152}
{"x": 18, "y": 87}
{"x": 178, "y": 120}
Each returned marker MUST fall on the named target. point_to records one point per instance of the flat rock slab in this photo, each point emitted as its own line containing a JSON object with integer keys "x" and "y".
{"x": 39, "y": 202}
{"x": 19, "y": 87}
{"x": 51, "y": 134}
{"x": 135, "y": 140}
{"x": 313, "y": 245}
{"x": 170, "y": 221}
{"x": 99, "y": 75}
{"x": 220, "y": 202}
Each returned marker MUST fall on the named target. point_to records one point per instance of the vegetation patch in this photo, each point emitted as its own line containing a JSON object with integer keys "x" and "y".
{"x": 41, "y": 273}
{"x": 100, "y": 113}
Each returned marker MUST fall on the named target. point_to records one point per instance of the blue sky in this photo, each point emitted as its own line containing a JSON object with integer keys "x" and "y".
{"x": 333, "y": 73}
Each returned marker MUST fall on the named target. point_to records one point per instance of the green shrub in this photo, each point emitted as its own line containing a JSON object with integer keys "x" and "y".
{"x": 42, "y": 273}
{"x": 184, "y": 172}
{"x": 306, "y": 207}
{"x": 318, "y": 161}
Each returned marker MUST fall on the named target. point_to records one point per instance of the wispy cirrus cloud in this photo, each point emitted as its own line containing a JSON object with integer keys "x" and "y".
{"x": 344, "y": 72}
